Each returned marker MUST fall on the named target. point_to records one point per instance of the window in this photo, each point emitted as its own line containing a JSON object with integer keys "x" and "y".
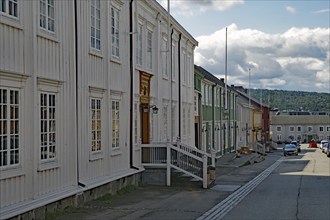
{"x": 298, "y": 128}
{"x": 278, "y": 128}
{"x": 321, "y": 128}
{"x": 115, "y": 124}
{"x": 96, "y": 24}
{"x": 291, "y": 128}
{"x": 48, "y": 126}
{"x": 328, "y": 128}
{"x": 279, "y": 137}
{"x": 165, "y": 122}
{"x": 96, "y": 124}
{"x": 173, "y": 61}
{"x": 184, "y": 120}
{"x": 47, "y": 15}
{"x": 136, "y": 123}
{"x": 164, "y": 56}
{"x": 9, "y": 7}
{"x": 149, "y": 49}
{"x": 184, "y": 66}
{"x": 9, "y": 127}
{"x": 310, "y": 129}
{"x": 115, "y": 32}
{"x": 188, "y": 119}
{"x": 173, "y": 121}
{"x": 139, "y": 45}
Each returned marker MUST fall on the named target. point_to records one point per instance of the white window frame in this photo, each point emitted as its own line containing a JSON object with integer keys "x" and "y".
{"x": 174, "y": 61}
{"x": 96, "y": 94}
{"x": 321, "y": 129}
{"x": 299, "y": 128}
{"x": 165, "y": 122}
{"x": 47, "y": 15}
{"x": 173, "y": 120}
{"x": 149, "y": 49}
{"x": 11, "y": 112}
{"x": 279, "y": 137}
{"x": 115, "y": 124}
{"x": 139, "y": 44}
{"x": 96, "y": 124}
{"x": 291, "y": 128}
{"x": 184, "y": 66}
{"x": 328, "y": 129}
{"x": 164, "y": 56}
{"x": 115, "y": 31}
{"x": 95, "y": 18}
{"x": 278, "y": 128}
{"x": 6, "y": 8}
{"x": 309, "y": 129}
{"x": 115, "y": 118}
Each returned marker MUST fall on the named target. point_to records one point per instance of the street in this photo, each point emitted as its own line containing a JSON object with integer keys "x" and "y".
{"x": 299, "y": 188}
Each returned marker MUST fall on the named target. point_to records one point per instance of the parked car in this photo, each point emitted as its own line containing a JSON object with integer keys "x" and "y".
{"x": 327, "y": 152}
{"x": 290, "y": 149}
{"x": 297, "y": 145}
{"x": 312, "y": 144}
{"x": 325, "y": 147}
{"x": 322, "y": 143}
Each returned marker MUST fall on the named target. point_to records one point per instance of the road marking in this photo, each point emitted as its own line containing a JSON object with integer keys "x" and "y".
{"x": 222, "y": 208}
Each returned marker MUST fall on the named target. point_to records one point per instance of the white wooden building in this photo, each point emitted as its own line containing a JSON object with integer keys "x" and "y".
{"x": 77, "y": 82}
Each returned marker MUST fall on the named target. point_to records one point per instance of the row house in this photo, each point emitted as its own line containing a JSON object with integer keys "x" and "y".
{"x": 253, "y": 120}
{"x": 82, "y": 84}
{"x": 300, "y": 127}
{"x": 216, "y": 122}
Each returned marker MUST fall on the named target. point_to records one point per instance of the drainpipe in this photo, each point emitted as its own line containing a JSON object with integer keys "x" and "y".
{"x": 179, "y": 84}
{"x": 77, "y": 86}
{"x": 131, "y": 85}
{"x": 213, "y": 118}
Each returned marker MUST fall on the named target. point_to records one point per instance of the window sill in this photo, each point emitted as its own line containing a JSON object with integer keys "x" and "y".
{"x": 13, "y": 171}
{"x": 115, "y": 60}
{"x": 96, "y": 156}
{"x": 11, "y": 21}
{"x": 48, "y": 165}
{"x": 116, "y": 152}
{"x": 47, "y": 35}
{"x": 95, "y": 52}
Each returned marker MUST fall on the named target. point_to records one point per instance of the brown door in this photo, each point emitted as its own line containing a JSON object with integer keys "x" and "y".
{"x": 145, "y": 124}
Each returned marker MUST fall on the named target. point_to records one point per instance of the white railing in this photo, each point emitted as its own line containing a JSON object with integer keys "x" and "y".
{"x": 179, "y": 156}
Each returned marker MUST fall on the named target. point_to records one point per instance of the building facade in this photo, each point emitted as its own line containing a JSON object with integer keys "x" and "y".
{"x": 218, "y": 118}
{"x": 80, "y": 86}
{"x": 303, "y": 128}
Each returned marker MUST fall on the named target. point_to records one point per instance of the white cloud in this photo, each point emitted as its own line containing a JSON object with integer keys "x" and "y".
{"x": 295, "y": 60}
{"x": 326, "y": 10}
{"x": 291, "y": 10}
{"x": 190, "y": 8}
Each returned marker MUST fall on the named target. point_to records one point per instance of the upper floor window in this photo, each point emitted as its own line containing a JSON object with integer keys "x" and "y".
{"x": 139, "y": 45}
{"x": 96, "y": 24}
{"x": 149, "y": 49}
{"x": 164, "y": 56}
{"x": 9, "y": 7}
{"x": 278, "y": 128}
{"x": 309, "y": 128}
{"x": 115, "y": 32}
{"x": 291, "y": 128}
{"x": 299, "y": 128}
{"x": 47, "y": 15}
{"x": 328, "y": 128}
{"x": 9, "y": 127}
{"x": 48, "y": 126}
{"x": 321, "y": 128}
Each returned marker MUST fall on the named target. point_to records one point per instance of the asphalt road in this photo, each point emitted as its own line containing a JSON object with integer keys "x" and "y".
{"x": 299, "y": 188}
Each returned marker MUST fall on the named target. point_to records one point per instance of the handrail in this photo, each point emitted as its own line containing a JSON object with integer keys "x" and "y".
{"x": 179, "y": 156}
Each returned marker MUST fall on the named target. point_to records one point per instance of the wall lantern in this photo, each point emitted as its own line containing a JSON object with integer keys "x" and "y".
{"x": 154, "y": 109}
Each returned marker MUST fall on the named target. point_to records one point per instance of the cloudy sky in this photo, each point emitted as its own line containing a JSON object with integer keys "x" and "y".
{"x": 284, "y": 43}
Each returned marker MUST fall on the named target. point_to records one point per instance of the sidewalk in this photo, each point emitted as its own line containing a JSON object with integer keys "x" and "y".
{"x": 179, "y": 202}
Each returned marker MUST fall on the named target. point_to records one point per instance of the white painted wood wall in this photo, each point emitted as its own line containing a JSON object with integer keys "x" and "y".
{"x": 33, "y": 60}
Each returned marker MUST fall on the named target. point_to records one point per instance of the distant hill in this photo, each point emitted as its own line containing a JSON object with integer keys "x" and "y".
{"x": 293, "y": 100}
